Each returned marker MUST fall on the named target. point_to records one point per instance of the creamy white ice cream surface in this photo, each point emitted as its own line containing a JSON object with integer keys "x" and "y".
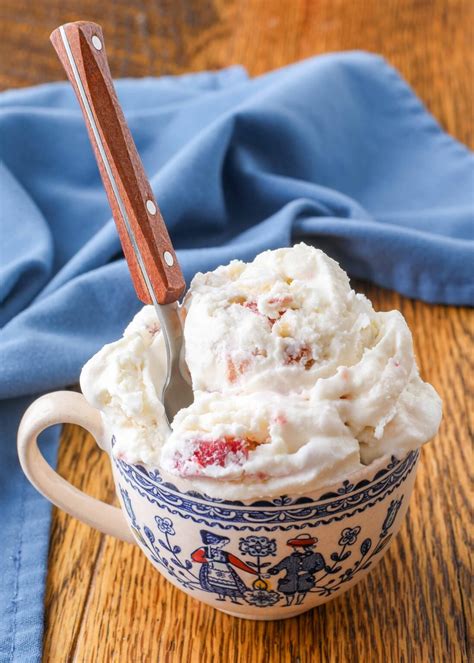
{"x": 298, "y": 382}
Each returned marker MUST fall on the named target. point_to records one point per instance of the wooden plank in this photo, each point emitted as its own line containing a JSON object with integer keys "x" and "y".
{"x": 104, "y": 601}
{"x": 429, "y": 42}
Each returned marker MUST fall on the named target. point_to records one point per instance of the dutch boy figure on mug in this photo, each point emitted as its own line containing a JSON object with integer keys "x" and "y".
{"x": 300, "y": 567}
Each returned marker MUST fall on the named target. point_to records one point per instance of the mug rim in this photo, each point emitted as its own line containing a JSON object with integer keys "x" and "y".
{"x": 352, "y": 483}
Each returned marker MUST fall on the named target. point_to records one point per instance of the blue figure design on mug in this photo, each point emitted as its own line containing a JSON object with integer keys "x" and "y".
{"x": 217, "y": 573}
{"x": 300, "y": 567}
{"x": 211, "y": 568}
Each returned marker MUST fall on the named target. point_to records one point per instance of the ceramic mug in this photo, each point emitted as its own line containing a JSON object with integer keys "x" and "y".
{"x": 258, "y": 559}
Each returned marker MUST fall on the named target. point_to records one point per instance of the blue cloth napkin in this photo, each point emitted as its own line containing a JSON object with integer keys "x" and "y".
{"x": 336, "y": 150}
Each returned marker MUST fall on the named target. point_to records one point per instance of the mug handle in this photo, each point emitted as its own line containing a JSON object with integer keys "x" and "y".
{"x": 72, "y": 408}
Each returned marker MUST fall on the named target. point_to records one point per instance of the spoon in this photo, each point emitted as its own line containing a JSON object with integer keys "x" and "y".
{"x": 153, "y": 265}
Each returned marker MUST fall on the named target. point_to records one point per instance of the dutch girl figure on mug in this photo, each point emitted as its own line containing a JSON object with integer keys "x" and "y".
{"x": 300, "y": 567}
{"x": 216, "y": 573}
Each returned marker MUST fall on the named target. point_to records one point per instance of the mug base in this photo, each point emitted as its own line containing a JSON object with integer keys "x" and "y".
{"x": 260, "y": 617}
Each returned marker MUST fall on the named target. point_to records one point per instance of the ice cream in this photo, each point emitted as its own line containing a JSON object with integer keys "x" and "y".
{"x": 298, "y": 382}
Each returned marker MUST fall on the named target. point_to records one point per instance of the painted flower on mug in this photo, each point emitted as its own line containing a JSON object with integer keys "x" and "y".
{"x": 257, "y": 546}
{"x": 391, "y": 514}
{"x": 127, "y": 502}
{"x": 164, "y": 525}
{"x": 262, "y": 598}
{"x": 349, "y": 536}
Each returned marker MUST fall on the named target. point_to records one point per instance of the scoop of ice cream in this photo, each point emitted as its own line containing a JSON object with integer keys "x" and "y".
{"x": 123, "y": 381}
{"x": 279, "y": 322}
{"x": 257, "y": 444}
{"x": 271, "y": 442}
{"x": 298, "y": 381}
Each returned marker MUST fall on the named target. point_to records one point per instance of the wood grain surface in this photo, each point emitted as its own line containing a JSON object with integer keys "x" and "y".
{"x": 104, "y": 601}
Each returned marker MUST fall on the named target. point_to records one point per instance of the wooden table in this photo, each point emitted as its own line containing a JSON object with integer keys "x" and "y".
{"x": 104, "y": 602}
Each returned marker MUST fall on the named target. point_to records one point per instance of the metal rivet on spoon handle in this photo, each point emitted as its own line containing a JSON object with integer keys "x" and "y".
{"x": 155, "y": 271}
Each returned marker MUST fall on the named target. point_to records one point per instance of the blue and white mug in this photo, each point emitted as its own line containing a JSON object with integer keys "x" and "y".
{"x": 259, "y": 559}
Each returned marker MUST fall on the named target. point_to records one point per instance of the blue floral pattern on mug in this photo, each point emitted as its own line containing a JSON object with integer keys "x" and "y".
{"x": 299, "y": 570}
{"x": 280, "y": 511}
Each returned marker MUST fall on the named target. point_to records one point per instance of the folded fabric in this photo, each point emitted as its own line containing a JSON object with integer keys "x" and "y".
{"x": 336, "y": 150}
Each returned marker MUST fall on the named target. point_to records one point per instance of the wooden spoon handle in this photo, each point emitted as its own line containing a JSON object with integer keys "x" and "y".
{"x": 81, "y": 49}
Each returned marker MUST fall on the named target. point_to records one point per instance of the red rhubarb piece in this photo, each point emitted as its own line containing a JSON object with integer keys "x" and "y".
{"x": 219, "y": 452}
